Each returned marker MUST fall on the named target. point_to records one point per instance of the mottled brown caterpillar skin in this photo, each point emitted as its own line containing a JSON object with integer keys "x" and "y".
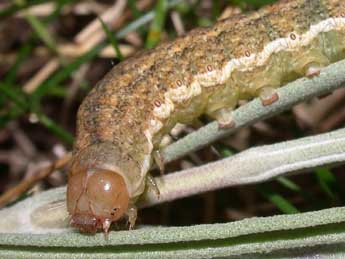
{"x": 123, "y": 119}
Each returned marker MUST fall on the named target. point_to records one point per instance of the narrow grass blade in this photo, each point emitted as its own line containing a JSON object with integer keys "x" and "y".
{"x": 55, "y": 129}
{"x": 327, "y": 181}
{"x": 41, "y": 32}
{"x": 282, "y": 204}
{"x": 157, "y": 24}
{"x": 135, "y": 12}
{"x": 289, "y": 184}
{"x": 112, "y": 39}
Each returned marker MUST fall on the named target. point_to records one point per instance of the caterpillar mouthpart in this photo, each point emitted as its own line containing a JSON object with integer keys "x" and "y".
{"x": 95, "y": 199}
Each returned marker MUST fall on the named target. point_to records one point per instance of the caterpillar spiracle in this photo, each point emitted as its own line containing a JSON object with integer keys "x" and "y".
{"x": 121, "y": 122}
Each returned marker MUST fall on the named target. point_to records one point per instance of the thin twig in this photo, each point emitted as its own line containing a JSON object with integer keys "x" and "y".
{"x": 85, "y": 45}
{"x": 111, "y": 14}
{"x": 177, "y": 22}
{"x": 99, "y": 35}
{"x": 49, "y": 68}
{"x": 74, "y": 50}
{"x": 94, "y": 40}
{"x": 26, "y": 184}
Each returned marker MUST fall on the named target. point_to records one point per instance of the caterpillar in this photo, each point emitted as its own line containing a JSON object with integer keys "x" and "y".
{"x": 121, "y": 122}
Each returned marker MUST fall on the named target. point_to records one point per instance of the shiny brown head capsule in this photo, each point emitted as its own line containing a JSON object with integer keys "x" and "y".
{"x": 96, "y": 198}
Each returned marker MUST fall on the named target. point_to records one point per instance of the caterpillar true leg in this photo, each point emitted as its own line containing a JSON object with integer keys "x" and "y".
{"x": 224, "y": 118}
{"x": 151, "y": 181}
{"x": 268, "y": 95}
{"x": 106, "y": 226}
{"x": 312, "y": 65}
{"x": 313, "y": 69}
{"x": 157, "y": 156}
{"x": 132, "y": 214}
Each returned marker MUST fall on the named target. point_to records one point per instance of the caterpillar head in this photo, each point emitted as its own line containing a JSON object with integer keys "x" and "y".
{"x": 103, "y": 183}
{"x": 95, "y": 198}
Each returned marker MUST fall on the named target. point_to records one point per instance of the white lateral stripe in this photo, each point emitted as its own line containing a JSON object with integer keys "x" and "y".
{"x": 244, "y": 63}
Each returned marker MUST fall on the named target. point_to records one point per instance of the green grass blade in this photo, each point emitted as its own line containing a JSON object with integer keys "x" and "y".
{"x": 224, "y": 150}
{"x": 70, "y": 68}
{"x": 142, "y": 20}
{"x": 65, "y": 73}
{"x": 287, "y": 183}
{"x": 282, "y": 204}
{"x": 157, "y": 24}
{"x": 55, "y": 129}
{"x": 135, "y": 12}
{"x": 327, "y": 181}
{"x": 41, "y": 32}
{"x": 112, "y": 39}
{"x": 23, "y": 53}
{"x": 312, "y": 202}
{"x": 14, "y": 95}
{"x": 21, "y": 102}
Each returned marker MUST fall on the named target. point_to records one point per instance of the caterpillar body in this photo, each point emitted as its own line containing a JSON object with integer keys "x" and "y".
{"x": 121, "y": 122}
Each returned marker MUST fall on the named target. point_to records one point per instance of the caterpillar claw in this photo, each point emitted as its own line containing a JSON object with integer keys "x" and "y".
{"x": 157, "y": 156}
{"x": 152, "y": 182}
{"x": 224, "y": 118}
{"x": 132, "y": 214}
{"x": 268, "y": 95}
{"x": 312, "y": 70}
{"x": 106, "y": 226}
{"x": 227, "y": 125}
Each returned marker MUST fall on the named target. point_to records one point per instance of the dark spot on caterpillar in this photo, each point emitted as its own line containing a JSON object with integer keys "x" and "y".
{"x": 292, "y": 36}
{"x": 113, "y": 212}
{"x": 209, "y": 68}
{"x": 178, "y": 82}
{"x": 247, "y": 53}
{"x": 157, "y": 103}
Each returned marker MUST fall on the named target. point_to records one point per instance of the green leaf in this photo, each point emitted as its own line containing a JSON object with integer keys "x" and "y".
{"x": 283, "y": 204}
{"x": 327, "y": 181}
